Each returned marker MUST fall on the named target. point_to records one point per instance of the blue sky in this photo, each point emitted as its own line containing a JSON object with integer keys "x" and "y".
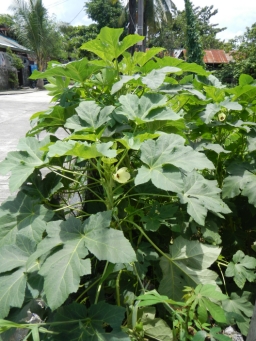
{"x": 235, "y": 15}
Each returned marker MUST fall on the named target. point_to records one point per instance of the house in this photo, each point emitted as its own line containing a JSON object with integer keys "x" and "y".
{"x": 6, "y": 63}
{"x": 212, "y": 58}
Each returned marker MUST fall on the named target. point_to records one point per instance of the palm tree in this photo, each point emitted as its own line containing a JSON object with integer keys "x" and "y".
{"x": 156, "y": 13}
{"x": 35, "y": 30}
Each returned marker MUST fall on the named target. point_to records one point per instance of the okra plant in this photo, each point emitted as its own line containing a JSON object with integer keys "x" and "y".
{"x": 133, "y": 213}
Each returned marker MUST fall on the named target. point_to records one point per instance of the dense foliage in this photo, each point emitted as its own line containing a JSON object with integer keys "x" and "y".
{"x": 134, "y": 213}
{"x": 243, "y": 51}
{"x": 194, "y": 49}
{"x": 35, "y": 30}
{"x": 172, "y": 35}
{"x": 74, "y": 36}
{"x": 105, "y": 13}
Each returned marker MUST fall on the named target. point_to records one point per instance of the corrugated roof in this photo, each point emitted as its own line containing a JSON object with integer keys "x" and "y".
{"x": 210, "y": 56}
{"x": 8, "y": 42}
{"x": 216, "y": 57}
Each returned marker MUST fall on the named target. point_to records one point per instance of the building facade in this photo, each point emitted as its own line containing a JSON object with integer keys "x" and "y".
{"x": 6, "y": 66}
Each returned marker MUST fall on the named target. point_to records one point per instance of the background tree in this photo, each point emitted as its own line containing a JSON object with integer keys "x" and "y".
{"x": 243, "y": 50}
{"x": 207, "y": 30}
{"x": 6, "y": 24}
{"x": 74, "y": 37}
{"x": 37, "y": 31}
{"x": 172, "y": 35}
{"x": 193, "y": 45}
{"x": 105, "y": 13}
{"x": 157, "y": 15}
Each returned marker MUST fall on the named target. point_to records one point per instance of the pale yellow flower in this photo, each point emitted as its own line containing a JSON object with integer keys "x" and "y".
{"x": 222, "y": 117}
{"x": 122, "y": 175}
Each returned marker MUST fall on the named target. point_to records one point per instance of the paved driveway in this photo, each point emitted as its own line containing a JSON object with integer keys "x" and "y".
{"x": 15, "y": 111}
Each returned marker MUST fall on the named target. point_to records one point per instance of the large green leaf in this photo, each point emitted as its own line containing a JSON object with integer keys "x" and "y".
{"x": 201, "y": 299}
{"x": 242, "y": 180}
{"x": 142, "y": 58}
{"x": 157, "y": 329}
{"x": 202, "y": 195}
{"x": 164, "y": 177}
{"x": 93, "y": 115}
{"x": 157, "y": 215}
{"x": 63, "y": 269}
{"x": 51, "y": 119}
{"x": 42, "y": 188}
{"x": 209, "y": 112}
{"x": 193, "y": 67}
{"x": 22, "y": 215}
{"x": 186, "y": 265}
{"x": 239, "y": 310}
{"x": 245, "y": 79}
{"x": 170, "y": 149}
{"x": 22, "y": 163}
{"x": 123, "y": 80}
{"x": 13, "y": 268}
{"x": 82, "y": 150}
{"x": 244, "y": 92}
{"x": 242, "y": 269}
{"x": 213, "y": 108}
{"x": 163, "y": 158}
{"x": 134, "y": 141}
{"x": 76, "y": 322}
{"x": 155, "y": 78}
{"x": 217, "y": 148}
{"x": 12, "y": 291}
{"x": 79, "y": 70}
{"x": 107, "y": 45}
{"x": 148, "y": 108}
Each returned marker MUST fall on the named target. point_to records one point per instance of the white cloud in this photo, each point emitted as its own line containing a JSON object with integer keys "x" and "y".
{"x": 235, "y": 15}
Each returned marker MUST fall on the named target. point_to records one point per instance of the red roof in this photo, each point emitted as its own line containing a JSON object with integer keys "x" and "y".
{"x": 210, "y": 56}
{"x": 216, "y": 57}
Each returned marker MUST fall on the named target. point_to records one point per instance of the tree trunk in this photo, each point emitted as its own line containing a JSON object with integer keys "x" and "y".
{"x": 40, "y": 84}
{"x": 132, "y": 16}
{"x": 40, "y": 65}
{"x": 132, "y": 20}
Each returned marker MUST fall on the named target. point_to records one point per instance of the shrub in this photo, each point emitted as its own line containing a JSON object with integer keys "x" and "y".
{"x": 142, "y": 227}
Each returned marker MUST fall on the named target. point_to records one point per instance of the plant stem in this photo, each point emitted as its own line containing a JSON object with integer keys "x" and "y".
{"x": 100, "y": 284}
{"x": 151, "y": 242}
{"x": 222, "y": 275}
{"x": 118, "y": 288}
{"x": 87, "y": 289}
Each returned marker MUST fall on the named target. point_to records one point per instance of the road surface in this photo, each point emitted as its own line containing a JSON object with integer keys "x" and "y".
{"x": 15, "y": 111}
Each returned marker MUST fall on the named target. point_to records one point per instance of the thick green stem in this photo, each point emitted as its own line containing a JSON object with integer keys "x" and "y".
{"x": 118, "y": 288}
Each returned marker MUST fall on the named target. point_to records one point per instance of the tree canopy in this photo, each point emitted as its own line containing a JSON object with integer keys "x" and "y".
{"x": 193, "y": 44}
{"x": 172, "y": 35}
{"x": 74, "y": 37}
{"x": 105, "y": 13}
{"x": 35, "y": 30}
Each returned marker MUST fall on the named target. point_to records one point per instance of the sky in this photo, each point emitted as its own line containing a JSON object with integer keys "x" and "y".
{"x": 234, "y": 14}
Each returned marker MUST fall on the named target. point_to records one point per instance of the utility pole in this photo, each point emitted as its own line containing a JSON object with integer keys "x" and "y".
{"x": 140, "y": 21}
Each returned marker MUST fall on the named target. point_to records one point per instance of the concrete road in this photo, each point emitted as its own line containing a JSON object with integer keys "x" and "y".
{"x": 15, "y": 111}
